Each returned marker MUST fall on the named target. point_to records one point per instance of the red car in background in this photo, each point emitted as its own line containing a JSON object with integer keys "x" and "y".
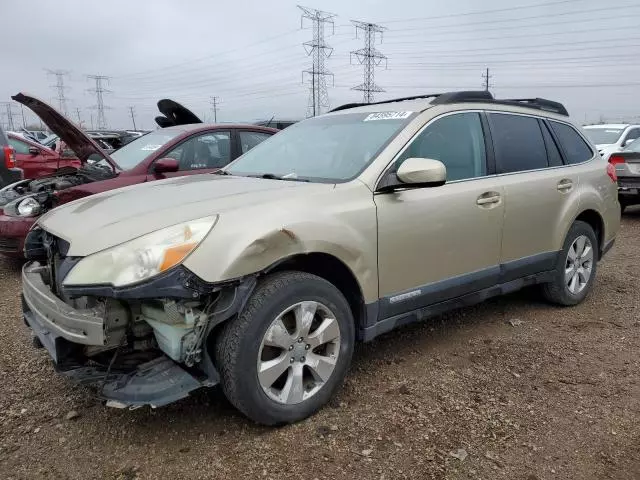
{"x": 35, "y": 159}
{"x": 185, "y": 146}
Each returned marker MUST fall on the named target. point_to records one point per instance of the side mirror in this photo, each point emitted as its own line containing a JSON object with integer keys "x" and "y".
{"x": 415, "y": 173}
{"x": 34, "y": 150}
{"x": 166, "y": 165}
{"x": 628, "y": 142}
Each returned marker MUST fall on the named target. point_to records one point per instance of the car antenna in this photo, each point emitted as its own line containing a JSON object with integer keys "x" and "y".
{"x": 271, "y": 120}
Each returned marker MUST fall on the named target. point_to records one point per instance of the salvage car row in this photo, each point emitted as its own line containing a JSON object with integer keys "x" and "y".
{"x": 261, "y": 275}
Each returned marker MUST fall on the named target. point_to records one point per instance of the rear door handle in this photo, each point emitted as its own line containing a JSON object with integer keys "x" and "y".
{"x": 488, "y": 198}
{"x": 565, "y": 185}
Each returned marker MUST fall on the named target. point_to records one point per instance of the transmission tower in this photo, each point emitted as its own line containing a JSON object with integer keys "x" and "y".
{"x": 9, "y": 114}
{"x": 319, "y": 51}
{"x": 99, "y": 91}
{"x": 60, "y": 88}
{"x": 486, "y": 77}
{"x": 370, "y": 57}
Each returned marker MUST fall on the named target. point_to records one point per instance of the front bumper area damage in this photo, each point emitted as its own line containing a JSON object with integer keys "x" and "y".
{"x": 134, "y": 352}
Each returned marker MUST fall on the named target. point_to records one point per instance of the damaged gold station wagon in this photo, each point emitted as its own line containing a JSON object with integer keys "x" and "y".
{"x": 261, "y": 278}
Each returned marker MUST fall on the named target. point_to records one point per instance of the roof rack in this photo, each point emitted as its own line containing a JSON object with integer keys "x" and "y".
{"x": 540, "y": 104}
{"x": 472, "y": 96}
{"x": 347, "y": 106}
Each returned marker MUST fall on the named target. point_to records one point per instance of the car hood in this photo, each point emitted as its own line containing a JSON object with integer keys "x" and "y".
{"x": 101, "y": 221}
{"x": 76, "y": 139}
{"x": 174, "y": 114}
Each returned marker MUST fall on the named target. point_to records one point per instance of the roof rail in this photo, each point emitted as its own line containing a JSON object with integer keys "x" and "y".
{"x": 347, "y": 106}
{"x": 471, "y": 96}
{"x": 541, "y": 104}
{"x": 461, "y": 97}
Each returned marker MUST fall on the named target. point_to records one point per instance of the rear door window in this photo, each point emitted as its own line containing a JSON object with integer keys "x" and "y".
{"x": 575, "y": 148}
{"x": 518, "y": 143}
{"x": 249, "y": 139}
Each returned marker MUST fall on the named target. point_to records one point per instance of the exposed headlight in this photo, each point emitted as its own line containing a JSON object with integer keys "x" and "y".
{"x": 143, "y": 257}
{"x": 28, "y": 207}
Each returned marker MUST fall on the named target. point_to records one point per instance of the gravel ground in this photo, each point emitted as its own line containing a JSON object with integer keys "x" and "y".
{"x": 511, "y": 389}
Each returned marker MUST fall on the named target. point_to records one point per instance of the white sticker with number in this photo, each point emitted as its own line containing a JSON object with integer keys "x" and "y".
{"x": 387, "y": 116}
{"x": 150, "y": 148}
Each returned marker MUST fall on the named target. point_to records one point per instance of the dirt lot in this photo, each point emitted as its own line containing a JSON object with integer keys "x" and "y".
{"x": 510, "y": 389}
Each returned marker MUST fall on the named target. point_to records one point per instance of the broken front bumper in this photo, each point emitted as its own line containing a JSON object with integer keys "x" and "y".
{"x": 63, "y": 330}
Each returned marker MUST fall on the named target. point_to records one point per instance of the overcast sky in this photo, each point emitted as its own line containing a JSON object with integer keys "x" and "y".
{"x": 249, "y": 53}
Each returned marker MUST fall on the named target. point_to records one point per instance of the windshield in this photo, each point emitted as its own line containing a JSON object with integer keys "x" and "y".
{"x": 134, "y": 152}
{"x": 330, "y": 148}
{"x": 603, "y": 136}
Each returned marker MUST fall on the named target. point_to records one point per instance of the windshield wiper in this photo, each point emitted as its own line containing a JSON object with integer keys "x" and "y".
{"x": 221, "y": 172}
{"x": 272, "y": 176}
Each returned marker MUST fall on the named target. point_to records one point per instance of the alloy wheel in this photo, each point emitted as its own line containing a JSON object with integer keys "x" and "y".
{"x": 298, "y": 352}
{"x": 579, "y": 264}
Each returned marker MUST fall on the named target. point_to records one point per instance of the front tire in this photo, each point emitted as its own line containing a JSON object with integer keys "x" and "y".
{"x": 576, "y": 268}
{"x": 284, "y": 355}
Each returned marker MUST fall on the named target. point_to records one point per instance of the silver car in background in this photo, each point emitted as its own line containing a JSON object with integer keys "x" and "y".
{"x": 627, "y": 168}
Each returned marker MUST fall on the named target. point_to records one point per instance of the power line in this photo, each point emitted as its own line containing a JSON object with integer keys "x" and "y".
{"x": 60, "y": 88}
{"x": 99, "y": 91}
{"x": 370, "y": 57}
{"x": 484, "y": 12}
{"x": 133, "y": 116}
{"x": 319, "y": 51}
{"x": 214, "y": 108}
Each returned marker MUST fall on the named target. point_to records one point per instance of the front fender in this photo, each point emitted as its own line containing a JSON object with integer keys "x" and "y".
{"x": 239, "y": 247}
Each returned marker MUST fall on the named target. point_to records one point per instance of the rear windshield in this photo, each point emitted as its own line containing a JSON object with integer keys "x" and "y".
{"x": 134, "y": 152}
{"x": 330, "y": 148}
{"x": 603, "y": 136}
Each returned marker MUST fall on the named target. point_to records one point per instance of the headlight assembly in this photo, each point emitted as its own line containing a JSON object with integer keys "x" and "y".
{"x": 143, "y": 257}
{"x": 28, "y": 207}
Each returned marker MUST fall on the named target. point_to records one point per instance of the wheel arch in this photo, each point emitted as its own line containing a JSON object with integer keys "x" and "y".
{"x": 334, "y": 271}
{"x": 595, "y": 220}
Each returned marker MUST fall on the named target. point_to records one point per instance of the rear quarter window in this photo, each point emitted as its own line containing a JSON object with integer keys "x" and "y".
{"x": 575, "y": 148}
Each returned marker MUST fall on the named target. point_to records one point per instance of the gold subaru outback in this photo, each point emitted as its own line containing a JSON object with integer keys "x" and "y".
{"x": 262, "y": 277}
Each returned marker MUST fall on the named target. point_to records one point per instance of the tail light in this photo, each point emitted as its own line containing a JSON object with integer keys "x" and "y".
{"x": 616, "y": 160}
{"x": 9, "y": 157}
{"x": 611, "y": 166}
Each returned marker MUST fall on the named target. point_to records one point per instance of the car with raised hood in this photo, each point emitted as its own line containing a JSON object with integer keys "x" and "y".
{"x": 611, "y": 138}
{"x": 9, "y": 173}
{"x": 185, "y": 146}
{"x": 262, "y": 277}
{"x": 627, "y": 169}
{"x": 37, "y": 160}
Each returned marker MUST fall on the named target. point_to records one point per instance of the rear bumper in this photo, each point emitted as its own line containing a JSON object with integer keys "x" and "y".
{"x": 629, "y": 190}
{"x": 64, "y": 331}
{"x": 13, "y": 231}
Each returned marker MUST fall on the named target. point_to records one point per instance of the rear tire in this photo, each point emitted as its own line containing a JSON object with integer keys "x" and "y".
{"x": 284, "y": 355}
{"x": 576, "y": 268}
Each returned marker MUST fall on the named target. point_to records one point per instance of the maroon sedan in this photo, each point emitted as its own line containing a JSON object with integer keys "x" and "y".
{"x": 184, "y": 147}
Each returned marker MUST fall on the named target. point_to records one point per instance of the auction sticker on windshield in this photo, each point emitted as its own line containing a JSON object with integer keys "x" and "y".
{"x": 150, "y": 148}
{"x": 387, "y": 116}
